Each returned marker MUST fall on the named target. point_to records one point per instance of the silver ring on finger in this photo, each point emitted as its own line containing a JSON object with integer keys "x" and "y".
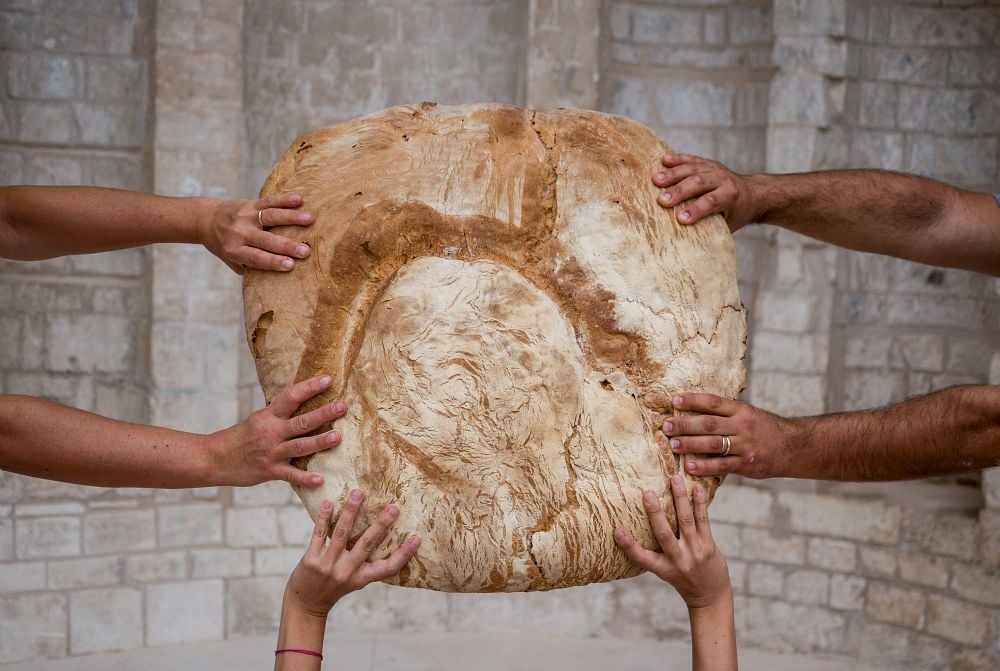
{"x": 726, "y": 444}
{"x": 260, "y": 218}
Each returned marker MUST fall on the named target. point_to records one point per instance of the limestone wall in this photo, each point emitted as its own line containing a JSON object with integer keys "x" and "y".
{"x": 201, "y": 96}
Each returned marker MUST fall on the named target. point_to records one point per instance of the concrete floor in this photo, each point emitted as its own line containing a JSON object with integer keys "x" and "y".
{"x": 437, "y": 652}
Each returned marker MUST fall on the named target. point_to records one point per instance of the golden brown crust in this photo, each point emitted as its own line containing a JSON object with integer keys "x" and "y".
{"x": 507, "y": 312}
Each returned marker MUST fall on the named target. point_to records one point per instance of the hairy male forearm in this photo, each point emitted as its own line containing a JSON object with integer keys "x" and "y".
{"x": 949, "y": 431}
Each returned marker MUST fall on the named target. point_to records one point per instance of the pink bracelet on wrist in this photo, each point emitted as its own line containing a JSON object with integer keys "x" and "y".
{"x": 301, "y": 652}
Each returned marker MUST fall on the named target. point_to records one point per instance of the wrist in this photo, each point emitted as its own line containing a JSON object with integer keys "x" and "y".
{"x": 795, "y": 447}
{"x": 299, "y": 610}
{"x": 719, "y": 603}
{"x": 203, "y": 212}
{"x": 761, "y": 189}
{"x": 210, "y": 466}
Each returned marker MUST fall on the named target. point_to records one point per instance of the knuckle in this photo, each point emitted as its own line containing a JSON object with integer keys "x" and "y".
{"x": 710, "y": 424}
{"x": 712, "y": 199}
{"x": 698, "y": 180}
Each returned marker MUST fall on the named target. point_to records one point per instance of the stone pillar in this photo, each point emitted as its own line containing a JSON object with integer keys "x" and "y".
{"x": 197, "y": 318}
{"x": 563, "y": 53}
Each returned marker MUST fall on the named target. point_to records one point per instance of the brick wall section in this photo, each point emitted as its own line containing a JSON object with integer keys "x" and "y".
{"x": 563, "y": 64}
{"x": 74, "y": 100}
{"x": 923, "y": 99}
{"x": 312, "y": 64}
{"x": 897, "y": 577}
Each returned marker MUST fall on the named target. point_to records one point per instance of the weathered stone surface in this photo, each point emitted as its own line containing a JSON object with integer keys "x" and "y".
{"x": 508, "y": 280}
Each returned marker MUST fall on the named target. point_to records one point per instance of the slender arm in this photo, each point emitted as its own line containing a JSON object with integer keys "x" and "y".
{"x": 299, "y": 630}
{"x": 41, "y": 222}
{"x": 48, "y": 440}
{"x": 884, "y": 212}
{"x": 713, "y": 636}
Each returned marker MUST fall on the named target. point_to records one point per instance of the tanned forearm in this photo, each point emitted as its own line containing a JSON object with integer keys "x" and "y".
{"x": 41, "y": 222}
{"x": 953, "y": 430}
{"x": 47, "y": 440}
{"x": 883, "y": 212}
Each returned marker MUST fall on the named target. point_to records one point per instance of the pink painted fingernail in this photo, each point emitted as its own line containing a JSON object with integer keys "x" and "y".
{"x": 287, "y": 264}
{"x": 356, "y": 495}
{"x": 325, "y": 380}
{"x": 327, "y": 506}
{"x": 339, "y": 406}
{"x": 302, "y": 250}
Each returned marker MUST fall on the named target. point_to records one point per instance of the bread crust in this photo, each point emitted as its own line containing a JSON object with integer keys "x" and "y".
{"x": 507, "y": 312}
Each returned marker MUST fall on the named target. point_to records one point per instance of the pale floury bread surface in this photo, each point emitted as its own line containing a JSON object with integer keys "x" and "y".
{"x": 507, "y": 312}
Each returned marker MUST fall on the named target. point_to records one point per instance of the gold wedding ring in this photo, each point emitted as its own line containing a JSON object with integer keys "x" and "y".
{"x": 260, "y": 218}
{"x": 726, "y": 444}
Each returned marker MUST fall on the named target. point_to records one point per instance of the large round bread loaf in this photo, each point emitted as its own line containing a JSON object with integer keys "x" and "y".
{"x": 507, "y": 312}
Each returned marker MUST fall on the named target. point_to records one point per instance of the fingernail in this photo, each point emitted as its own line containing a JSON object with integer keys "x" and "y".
{"x": 392, "y": 509}
{"x": 699, "y": 491}
{"x": 665, "y": 197}
{"x": 287, "y": 264}
{"x": 413, "y": 541}
{"x": 649, "y": 497}
{"x": 316, "y": 479}
{"x": 295, "y": 196}
{"x": 302, "y": 250}
{"x": 619, "y": 534}
{"x": 684, "y": 216}
{"x": 668, "y": 426}
{"x": 339, "y": 406}
{"x": 333, "y": 437}
{"x": 692, "y": 466}
{"x": 677, "y": 481}
{"x": 356, "y": 496}
{"x": 327, "y": 505}
{"x": 674, "y": 443}
{"x": 678, "y": 401}
{"x": 661, "y": 176}
{"x": 325, "y": 380}
{"x": 305, "y": 217}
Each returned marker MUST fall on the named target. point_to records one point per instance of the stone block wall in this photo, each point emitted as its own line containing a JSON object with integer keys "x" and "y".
{"x": 201, "y": 96}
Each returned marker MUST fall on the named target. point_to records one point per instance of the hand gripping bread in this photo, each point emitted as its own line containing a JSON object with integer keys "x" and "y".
{"x": 507, "y": 312}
